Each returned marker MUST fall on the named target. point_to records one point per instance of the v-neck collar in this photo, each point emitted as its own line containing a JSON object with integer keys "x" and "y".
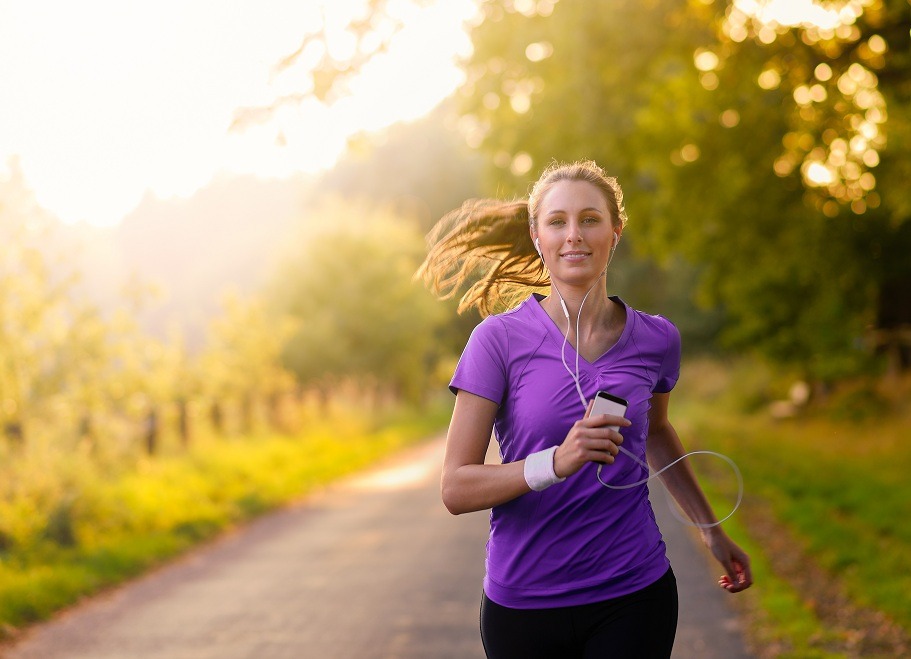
{"x": 556, "y": 334}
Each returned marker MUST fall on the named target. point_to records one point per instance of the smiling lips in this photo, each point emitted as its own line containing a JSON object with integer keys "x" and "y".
{"x": 575, "y": 256}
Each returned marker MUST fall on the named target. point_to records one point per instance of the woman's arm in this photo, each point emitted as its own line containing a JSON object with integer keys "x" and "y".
{"x": 468, "y": 484}
{"x": 662, "y": 448}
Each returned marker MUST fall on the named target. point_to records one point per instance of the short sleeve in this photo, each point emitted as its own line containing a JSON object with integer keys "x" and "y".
{"x": 482, "y": 366}
{"x": 669, "y": 371}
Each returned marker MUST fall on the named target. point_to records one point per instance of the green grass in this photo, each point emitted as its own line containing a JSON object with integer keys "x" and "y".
{"x": 835, "y": 484}
{"x": 80, "y": 529}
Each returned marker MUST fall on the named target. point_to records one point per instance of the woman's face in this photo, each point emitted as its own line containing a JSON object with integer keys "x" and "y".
{"x": 575, "y": 232}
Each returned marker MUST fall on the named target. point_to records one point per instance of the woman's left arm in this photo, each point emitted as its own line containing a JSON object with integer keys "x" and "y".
{"x": 662, "y": 448}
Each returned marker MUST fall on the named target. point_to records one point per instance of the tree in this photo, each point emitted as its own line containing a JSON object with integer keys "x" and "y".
{"x": 360, "y": 317}
{"x": 242, "y": 357}
{"x": 689, "y": 120}
{"x": 51, "y": 344}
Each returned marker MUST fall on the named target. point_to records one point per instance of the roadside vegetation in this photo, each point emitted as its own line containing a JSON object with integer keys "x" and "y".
{"x": 825, "y": 509}
{"x": 74, "y": 525}
{"x": 122, "y": 444}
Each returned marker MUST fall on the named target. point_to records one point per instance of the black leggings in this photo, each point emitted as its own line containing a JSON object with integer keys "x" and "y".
{"x": 641, "y": 624}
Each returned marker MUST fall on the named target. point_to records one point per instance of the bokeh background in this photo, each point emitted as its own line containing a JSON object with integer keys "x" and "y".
{"x": 211, "y": 213}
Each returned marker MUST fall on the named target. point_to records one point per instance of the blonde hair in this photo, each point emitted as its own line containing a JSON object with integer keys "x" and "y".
{"x": 488, "y": 242}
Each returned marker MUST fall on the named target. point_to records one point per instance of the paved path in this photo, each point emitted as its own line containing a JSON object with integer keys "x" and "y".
{"x": 371, "y": 568}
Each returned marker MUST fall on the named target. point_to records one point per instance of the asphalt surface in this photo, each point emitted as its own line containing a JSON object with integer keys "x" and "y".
{"x": 373, "y": 567}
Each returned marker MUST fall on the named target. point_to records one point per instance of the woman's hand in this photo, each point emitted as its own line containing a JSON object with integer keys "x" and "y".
{"x": 589, "y": 440}
{"x": 735, "y": 561}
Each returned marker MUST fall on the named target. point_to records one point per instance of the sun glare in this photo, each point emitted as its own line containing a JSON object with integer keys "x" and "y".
{"x": 107, "y": 101}
{"x": 768, "y": 17}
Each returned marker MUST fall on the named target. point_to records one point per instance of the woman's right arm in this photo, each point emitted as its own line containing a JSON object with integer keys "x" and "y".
{"x": 469, "y": 485}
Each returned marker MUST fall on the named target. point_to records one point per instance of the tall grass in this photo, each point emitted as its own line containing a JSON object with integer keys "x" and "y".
{"x": 829, "y": 489}
{"x": 71, "y": 524}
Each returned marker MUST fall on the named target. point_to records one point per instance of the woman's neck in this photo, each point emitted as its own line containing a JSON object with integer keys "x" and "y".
{"x": 596, "y": 313}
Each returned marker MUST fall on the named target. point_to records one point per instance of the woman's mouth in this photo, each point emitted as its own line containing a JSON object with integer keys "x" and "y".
{"x": 575, "y": 256}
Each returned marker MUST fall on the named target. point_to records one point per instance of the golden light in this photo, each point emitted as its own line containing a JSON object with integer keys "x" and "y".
{"x": 839, "y": 165}
{"x": 817, "y": 174}
{"x": 877, "y": 44}
{"x": 689, "y": 153}
{"x": 823, "y": 19}
{"x": 521, "y": 164}
{"x": 709, "y": 81}
{"x": 705, "y": 60}
{"x": 769, "y": 79}
{"x": 823, "y": 72}
{"x": 540, "y": 50}
{"x": 729, "y": 118}
{"x": 118, "y": 100}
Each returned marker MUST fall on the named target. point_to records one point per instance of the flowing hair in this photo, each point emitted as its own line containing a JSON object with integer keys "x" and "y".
{"x": 487, "y": 242}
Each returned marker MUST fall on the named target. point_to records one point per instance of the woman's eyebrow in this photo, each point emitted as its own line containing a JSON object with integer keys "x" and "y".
{"x": 584, "y": 210}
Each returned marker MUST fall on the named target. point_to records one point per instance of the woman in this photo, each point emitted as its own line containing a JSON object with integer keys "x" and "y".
{"x": 574, "y": 568}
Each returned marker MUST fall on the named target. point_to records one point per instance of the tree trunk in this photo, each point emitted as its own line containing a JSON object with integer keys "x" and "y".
{"x": 217, "y": 416}
{"x": 183, "y": 422}
{"x": 152, "y": 431}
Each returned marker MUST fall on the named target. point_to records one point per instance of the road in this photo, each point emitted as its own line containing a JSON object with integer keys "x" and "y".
{"x": 373, "y": 567}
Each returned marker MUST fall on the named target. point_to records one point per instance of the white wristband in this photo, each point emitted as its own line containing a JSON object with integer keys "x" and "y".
{"x": 539, "y": 470}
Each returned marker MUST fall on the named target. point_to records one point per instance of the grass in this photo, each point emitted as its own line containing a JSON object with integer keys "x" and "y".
{"x": 69, "y": 527}
{"x": 825, "y": 515}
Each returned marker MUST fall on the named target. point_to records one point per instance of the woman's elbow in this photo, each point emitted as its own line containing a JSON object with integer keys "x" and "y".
{"x": 452, "y": 497}
{"x": 451, "y": 501}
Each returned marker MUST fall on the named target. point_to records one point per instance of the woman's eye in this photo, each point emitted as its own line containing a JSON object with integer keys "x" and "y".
{"x": 591, "y": 220}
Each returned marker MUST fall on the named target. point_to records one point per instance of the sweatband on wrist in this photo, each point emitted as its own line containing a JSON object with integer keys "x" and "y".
{"x": 539, "y": 470}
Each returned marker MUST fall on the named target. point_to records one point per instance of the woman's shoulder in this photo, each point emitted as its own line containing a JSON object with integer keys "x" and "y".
{"x": 521, "y": 314}
{"x": 648, "y": 319}
{"x": 648, "y": 323}
{"x": 513, "y": 326}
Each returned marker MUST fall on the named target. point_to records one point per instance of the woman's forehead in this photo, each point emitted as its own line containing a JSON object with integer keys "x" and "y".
{"x": 573, "y": 195}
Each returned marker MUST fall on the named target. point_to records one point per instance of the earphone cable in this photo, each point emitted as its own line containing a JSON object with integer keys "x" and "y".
{"x": 576, "y": 381}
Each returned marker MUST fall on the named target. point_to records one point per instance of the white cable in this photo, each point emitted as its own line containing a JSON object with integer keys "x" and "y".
{"x": 575, "y": 377}
{"x": 576, "y": 381}
{"x": 665, "y": 468}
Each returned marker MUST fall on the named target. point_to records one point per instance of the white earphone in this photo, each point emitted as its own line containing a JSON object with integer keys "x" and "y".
{"x": 576, "y": 381}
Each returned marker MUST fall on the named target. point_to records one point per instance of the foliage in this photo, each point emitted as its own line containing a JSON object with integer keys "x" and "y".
{"x": 54, "y": 346}
{"x": 678, "y": 114}
{"x": 73, "y": 375}
{"x": 421, "y": 169}
{"x": 825, "y": 497}
{"x": 359, "y": 316}
{"x": 123, "y": 521}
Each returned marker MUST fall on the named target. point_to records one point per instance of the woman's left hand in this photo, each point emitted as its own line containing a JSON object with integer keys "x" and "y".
{"x": 735, "y": 561}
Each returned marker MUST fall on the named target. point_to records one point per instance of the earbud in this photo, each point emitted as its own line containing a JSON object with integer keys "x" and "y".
{"x": 538, "y": 247}
{"x": 616, "y": 241}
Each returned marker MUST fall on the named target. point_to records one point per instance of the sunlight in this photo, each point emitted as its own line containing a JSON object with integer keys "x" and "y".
{"x": 113, "y": 101}
{"x": 768, "y": 17}
{"x": 803, "y": 12}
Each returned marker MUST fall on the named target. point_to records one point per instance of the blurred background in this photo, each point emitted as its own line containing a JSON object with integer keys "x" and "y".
{"x": 210, "y": 215}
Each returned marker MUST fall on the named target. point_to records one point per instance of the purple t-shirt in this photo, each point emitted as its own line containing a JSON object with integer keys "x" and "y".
{"x": 576, "y": 542}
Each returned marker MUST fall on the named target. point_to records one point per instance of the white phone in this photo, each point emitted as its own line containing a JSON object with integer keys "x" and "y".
{"x": 606, "y": 403}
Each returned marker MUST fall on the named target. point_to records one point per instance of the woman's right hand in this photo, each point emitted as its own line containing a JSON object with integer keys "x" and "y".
{"x": 589, "y": 440}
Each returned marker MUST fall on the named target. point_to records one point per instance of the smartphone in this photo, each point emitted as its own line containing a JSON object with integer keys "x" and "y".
{"x": 606, "y": 403}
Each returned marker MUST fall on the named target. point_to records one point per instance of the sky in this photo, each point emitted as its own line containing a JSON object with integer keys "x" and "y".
{"x": 105, "y": 101}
